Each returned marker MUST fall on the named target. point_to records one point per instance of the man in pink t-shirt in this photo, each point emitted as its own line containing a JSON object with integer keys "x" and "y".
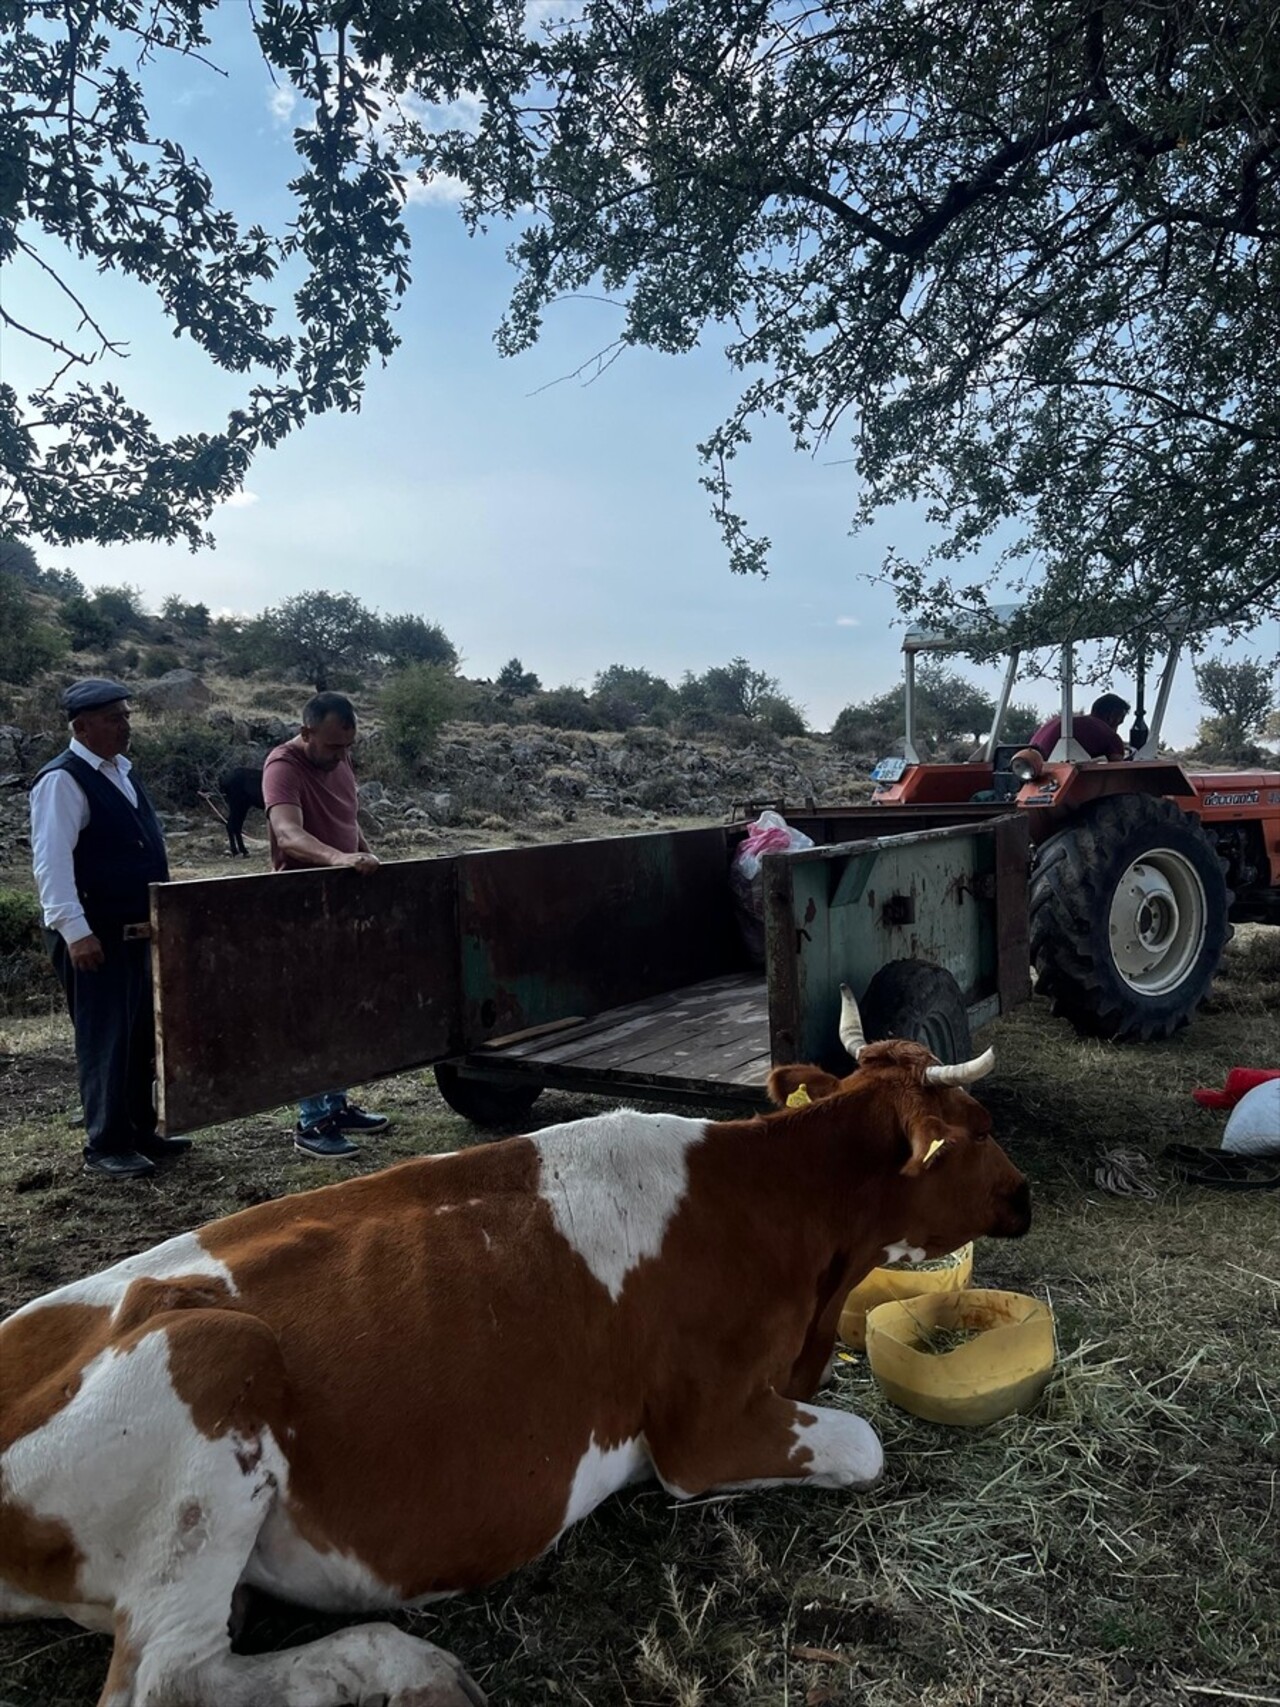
{"x": 311, "y": 800}
{"x": 1097, "y": 731}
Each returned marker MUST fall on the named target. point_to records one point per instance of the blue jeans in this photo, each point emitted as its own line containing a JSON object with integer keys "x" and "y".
{"x": 315, "y": 1109}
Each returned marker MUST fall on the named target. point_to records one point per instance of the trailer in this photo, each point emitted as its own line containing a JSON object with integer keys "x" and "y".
{"x": 615, "y": 966}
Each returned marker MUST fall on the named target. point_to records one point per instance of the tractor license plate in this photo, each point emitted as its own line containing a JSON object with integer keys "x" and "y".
{"x": 889, "y": 770}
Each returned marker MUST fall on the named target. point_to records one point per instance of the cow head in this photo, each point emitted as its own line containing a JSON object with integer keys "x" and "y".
{"x": 927, "y": 1139}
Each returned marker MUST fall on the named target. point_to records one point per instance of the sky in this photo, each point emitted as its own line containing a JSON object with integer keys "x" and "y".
{"x": 528, "y": 512}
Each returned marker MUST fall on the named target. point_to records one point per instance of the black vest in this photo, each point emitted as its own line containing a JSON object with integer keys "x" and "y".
{"x": 120, "y": 850}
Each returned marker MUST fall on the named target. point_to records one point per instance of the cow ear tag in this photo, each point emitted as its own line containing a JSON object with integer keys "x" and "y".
{"x": 931, "y": 1154}
{"x": 799, "y": 1097}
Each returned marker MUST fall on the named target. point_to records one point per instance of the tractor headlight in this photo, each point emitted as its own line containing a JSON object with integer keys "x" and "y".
{"x": 1028, "y": 764}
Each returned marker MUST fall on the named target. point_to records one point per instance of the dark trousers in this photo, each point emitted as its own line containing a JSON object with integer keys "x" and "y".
{"x": 115, "y": 1041}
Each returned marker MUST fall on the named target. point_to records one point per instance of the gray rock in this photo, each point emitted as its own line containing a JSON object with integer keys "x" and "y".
{"x": 176, "y": 690}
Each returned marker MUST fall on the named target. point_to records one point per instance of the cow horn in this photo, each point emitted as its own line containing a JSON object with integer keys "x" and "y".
{"x": 963, "y": 1072}
{"x": 852, "y": 1035}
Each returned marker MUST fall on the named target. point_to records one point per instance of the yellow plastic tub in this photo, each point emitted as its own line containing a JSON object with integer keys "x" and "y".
{"x": 1003, "y": 1367}
{"x": 894, "y": 1285}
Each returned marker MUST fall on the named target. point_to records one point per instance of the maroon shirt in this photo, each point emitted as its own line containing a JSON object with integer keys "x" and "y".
{"x": 1097, "y": 738}
{"x": 329, "y": 801}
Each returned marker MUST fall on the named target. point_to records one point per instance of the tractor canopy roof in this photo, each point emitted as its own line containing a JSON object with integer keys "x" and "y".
{"x": 1001, "y": 628}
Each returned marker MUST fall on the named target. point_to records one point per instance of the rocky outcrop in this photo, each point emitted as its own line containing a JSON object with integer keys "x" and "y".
{"x": 176, "y": 690}
{"x": 482, "y": 772}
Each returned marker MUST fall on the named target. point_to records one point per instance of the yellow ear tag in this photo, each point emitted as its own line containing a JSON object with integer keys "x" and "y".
{"x": 931, "y": 1153}
{"x": 799, "y": 1097}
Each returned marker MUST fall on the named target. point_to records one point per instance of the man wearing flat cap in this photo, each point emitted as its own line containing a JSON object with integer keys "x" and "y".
{"x": 96, "y": 844}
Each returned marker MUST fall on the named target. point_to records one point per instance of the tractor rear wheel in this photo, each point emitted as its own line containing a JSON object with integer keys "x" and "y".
{"x": 485, "y": 1102}
{"x": 1128, "y": 918}
{"x": 919, "y": 1001}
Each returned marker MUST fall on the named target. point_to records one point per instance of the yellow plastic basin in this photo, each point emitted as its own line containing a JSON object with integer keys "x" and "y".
{"x": 893, "y": 1285}
{"x": 1004, "y": 1367}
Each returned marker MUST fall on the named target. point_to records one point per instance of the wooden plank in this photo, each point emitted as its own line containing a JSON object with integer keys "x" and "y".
{"x": 656, "y": 1034}
{"x": 629, "y": 1018}
{"x": 288, "y": 984}
{"x": 744, "y": 1023}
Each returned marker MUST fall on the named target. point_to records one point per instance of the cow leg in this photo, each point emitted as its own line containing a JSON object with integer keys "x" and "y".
{"x": 772, "y": 1441}
{"x": 369, "y": 1665}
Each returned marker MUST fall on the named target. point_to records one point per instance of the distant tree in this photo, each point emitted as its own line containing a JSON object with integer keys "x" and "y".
{"x": 1241, "y": 696}
{"x": 415, "y": 703}
{"x": 413, "y": 640}
{"x": 1021, "y": 722}
{"x": 513, "y": 681}
{"x": 779, "y": 714}
{"x": 87, "y": 628}
{"x": 317, "y": 633}
{"x": 873, "y": 727}
{"x": 189, "y": 619}
{"x": 949, "y": 708}
{"x": 120, "y": 607}
{"x": 246, "y": 643}
{"x": 734, "y": 689}
{"x": 18, "y": 559}
{"x": 27, "y": 645}
{"x": 624, "y": 696}
{"x": 564, "y": 708}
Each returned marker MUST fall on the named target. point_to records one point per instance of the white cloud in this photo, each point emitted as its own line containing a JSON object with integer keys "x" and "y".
{"x": 281, "y": 102}
{"x": 239, "y": 500}
{"x": 848, "y": 622}
{"x": 443, "y": 190}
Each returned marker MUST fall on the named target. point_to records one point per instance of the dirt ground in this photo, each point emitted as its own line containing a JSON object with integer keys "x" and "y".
{"x": 1118, "y": 1547}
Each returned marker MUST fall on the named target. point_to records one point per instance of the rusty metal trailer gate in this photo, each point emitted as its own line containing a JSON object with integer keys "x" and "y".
{"x": 613, "y": 965}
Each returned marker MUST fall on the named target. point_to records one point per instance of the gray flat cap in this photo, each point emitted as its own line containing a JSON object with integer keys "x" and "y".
{"x": 89, "y": 694}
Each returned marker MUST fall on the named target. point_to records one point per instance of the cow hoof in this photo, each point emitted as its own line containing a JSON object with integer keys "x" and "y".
{"x": 448, "y": 1686}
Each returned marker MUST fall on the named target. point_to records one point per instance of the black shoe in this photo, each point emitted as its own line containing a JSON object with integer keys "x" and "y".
{"x": 324, "y": 1140}
{"x": 159, "y": 1149}
{"x": 352, "y": 1118}
{"x": 125, "y": 1164}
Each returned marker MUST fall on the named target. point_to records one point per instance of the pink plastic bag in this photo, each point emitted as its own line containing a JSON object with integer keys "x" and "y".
{"x": 769, "y": 834}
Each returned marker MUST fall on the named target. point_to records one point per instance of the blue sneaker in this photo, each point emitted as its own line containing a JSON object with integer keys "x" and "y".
{"x": 352, "y": 1118}
{"x": 324, "y": 1140}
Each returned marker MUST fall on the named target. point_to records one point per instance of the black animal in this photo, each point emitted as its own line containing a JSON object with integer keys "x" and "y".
{"x": 242, "y": 790}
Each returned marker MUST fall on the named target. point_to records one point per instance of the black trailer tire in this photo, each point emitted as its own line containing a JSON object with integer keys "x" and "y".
{"x": 919, "y": 1001}
{"x": 485, "y": 1102}
{"x": 1129, "y": 918}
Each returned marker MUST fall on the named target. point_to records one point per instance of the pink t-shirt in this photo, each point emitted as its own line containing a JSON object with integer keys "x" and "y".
{"x": 329, "y": 801}
{"x": 1097, "y": 738}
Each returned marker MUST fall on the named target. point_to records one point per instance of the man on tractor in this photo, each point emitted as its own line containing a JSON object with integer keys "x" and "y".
{"x": 1098, "y": 732}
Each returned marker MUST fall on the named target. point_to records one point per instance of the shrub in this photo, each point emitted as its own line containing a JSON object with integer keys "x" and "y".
{"x": 179, "y": 759}
{"x": 19, "y": 921}
{"x": 412, "y": 640}
{"x": 415, "y": 704}
{"x": 564, "y": 708}
{"x": 27, "y": 646}
{"x": 24, "y": 968}
{"x": 158, "y": 661}
{"x": 779, "y": 714}
{"x": 88, "y": 630}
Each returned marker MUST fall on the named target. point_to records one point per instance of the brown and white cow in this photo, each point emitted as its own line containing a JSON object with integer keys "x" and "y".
{"x": 405, "y": 1385}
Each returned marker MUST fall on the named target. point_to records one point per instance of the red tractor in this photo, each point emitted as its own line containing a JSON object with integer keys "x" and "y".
{"x": 1138, "y": 867}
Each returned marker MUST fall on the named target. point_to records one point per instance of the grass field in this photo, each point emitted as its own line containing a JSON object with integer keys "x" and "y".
{"x": 1120, "y": 1545}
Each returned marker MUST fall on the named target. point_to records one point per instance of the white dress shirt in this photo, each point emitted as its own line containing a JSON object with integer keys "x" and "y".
{"x": 59, "y": 812}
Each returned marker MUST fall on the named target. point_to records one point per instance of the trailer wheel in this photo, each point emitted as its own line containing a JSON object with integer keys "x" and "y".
{"x": 919, "y": 1001}
{"x": 1129, "y": 919}
{"x": 485, "y": 1102}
